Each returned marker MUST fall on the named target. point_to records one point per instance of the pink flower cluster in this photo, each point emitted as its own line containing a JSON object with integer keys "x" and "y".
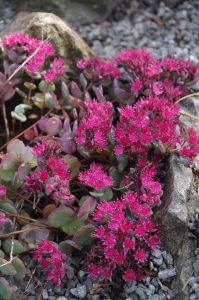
{"x": 52, "y": 175}
{"x": 3, "y": 191}
{"x": 166, "y": 77}
{"x": 126, "y": 236}
{"x": 51, "y": 261}
{"x": 95, "y": 177}
{"x": 150, "y": 122}
{"x": 95, "y": 126}
{"x": 98, "y": 68}
{"x": 190, "y": 144}
{"x": 56, "y": 70}
{"x": 27, "y": 45}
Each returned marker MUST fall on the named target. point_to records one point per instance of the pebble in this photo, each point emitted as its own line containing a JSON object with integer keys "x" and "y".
{"x": 81, "y": 274}
{"x": 168, "y": 273}
{"x": 79, "y": 292}
{"x": 61, "y": 298}
{"x": 95, "y": 297}
{"x": 45, "y": 294}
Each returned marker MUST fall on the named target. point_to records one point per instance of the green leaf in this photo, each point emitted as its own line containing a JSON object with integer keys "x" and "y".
{"x": 19, "y": 267}
{"x": 87, "y": 207}
{"x": 5, "y": 289}
{"x": 67, "y": 246}
{"x": 73, "y": 164}
{"x": 19, "y": 112}
{"x": 30, "y": 85}
{"x": 116, "y": 175}
{"x": 7, "y": 269}
{"x": 17, "y": 247}
{"x": 45, "y": 87}
{"x": 8, "y": 207}
{"x": 61, "y": 216}
{"x": 123, "y": 163}
{"x": 8, "y": 227}
{"x": 72, "y": 227}
{"x": 2, "y": 254}
{"x": 83, "y": 236}
{"x": 16, "y": 146}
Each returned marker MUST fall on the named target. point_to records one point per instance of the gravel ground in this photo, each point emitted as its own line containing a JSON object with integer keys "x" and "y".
{"x": 163, "y": 31}
{"x": 159, "y": 29}
{"x": 154, "y": 287}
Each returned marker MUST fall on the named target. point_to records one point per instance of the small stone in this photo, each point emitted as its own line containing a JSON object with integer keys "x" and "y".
{"x": 45, "y": 294}
{"x": 131, "y": 289}
{"x": 193, "y": 280}
{"x": 157, "y": 253}
{"x": 59, "y": 291}
{"x": 195, "y": 286}
{"x": 141, "y": 292}
{"x": 197, "y": 292}
{"x": 81, "y": 274}
{"x": 61, "y": 298}
{"x": 154, "y": 297}
{"x": 31, "y": 298}
{"x": 168, "y": 273}
{"x": 196, "y": 267}
{"x": 79, "y": 292}
{"x": 158, "y": 261}
{"x": 95, "y": 297}
{"x": 152, "y": 288}
{"x": 51, "y": 298}
{"x": 193, "y": 297}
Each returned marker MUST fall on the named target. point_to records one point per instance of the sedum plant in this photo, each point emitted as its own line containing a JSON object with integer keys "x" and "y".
{"x": 88, "y": 173}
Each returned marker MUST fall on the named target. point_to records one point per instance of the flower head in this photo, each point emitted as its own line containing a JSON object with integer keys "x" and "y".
{"x": 95, "y": 177}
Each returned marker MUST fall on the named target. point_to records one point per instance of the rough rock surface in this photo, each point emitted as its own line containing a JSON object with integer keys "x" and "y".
{"x": 179, "y": 203}
{"x": 66, "y": 41}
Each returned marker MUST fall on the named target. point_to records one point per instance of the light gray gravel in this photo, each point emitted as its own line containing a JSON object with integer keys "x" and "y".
{"x": 157, "y": 28}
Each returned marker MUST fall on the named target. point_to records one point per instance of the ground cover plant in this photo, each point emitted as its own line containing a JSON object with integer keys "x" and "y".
{"x": 83, "y": 157}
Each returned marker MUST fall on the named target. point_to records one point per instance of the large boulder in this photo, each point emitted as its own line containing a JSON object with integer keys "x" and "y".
{"x": 179, "y": 203}
{"x": 66, "y": 41}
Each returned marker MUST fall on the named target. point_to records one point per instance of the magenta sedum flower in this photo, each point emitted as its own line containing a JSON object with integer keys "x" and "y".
{"x": 95, "y": 177}
{"x": 51, "y": 260}
{"x": 95, "y": 126}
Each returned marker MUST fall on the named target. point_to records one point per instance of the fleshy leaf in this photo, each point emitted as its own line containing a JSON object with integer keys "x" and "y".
{"x": 72, "y": 227}
{"x": 61, "y": 216}
{"x": 86, "y": 208}
{"x": 83, "y": 236}
{"x": 19, "y": 267}
{"x": 17, "y": 247}
{"x": 6, "y": 268}
{"x": 5, "y": 289}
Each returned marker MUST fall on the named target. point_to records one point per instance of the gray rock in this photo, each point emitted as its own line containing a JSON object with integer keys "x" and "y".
{"x": 172, "y": 3}
{"x": 141, "y": 292}
{"x": 61, "y": 298}
{"x": 132, "y": 288}
{"x": 79, "y": 292}
{"x": 154, "y": 297}
{"x": 81, "y": 274}
{"x": 173, "y": 212}
{"x": 157, "y": 254}
{"x": 193, "y": 279}
{"x": 95, "y": 297}
{"x": 158, "y": 261}
{"x": 168, "y": 273}
{"x": 45, "y": 294}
